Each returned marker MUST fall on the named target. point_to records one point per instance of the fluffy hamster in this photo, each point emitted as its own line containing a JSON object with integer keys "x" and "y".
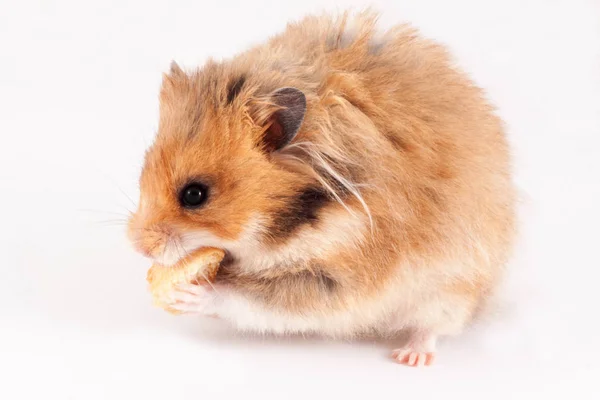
{"x": 358, "y": 182}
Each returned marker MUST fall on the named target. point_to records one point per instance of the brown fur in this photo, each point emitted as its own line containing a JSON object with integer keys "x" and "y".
{"x": 410, "y": 134}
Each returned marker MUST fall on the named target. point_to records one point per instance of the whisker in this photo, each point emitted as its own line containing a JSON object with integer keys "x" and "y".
{"x": 111, "y": 225}
{"x": 128, "y": 198}
{"x": 111, "y": 221}
{"x": 114, "y": 182}
{"x": 105, "y": 212}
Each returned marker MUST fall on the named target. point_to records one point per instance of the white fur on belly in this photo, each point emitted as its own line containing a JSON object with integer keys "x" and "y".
{"x": 248, "y": 315}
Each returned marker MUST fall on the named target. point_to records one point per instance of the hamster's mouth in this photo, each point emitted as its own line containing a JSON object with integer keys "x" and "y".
{"x": 172, "y": 253}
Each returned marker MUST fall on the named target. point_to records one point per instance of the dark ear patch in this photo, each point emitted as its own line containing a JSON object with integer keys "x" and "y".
{"x": 299, "y": 210}
{"x": 285, "y": 122}
{"x": 234, "y": 88}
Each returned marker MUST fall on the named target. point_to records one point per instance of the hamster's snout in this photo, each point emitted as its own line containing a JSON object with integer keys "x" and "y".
{"x": 157, "y": 241}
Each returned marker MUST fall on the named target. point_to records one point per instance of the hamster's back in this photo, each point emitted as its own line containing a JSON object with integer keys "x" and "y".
{"x": 421, "y": 131}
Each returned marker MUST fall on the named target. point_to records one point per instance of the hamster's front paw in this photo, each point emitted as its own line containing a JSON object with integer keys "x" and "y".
{"x": 194, "y": 299}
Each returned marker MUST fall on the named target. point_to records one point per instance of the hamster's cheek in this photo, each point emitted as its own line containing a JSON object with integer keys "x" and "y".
{"x": 245, "y": 243}
{"x": 195, "y": 239}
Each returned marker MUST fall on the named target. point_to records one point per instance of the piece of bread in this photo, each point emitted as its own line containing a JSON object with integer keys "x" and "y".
{"x": 201, "y": 265}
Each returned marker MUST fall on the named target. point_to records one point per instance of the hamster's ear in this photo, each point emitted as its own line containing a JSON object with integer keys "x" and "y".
{"x": 173, "y": 82}
{"x": 175, "y": 71}
{"x": 174, "y": 76}
{"x": 283, "y": 119}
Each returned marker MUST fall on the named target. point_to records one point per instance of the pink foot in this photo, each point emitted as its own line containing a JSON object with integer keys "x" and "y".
{"x": 418, "y": 352}
{"x": 193, "y": 299}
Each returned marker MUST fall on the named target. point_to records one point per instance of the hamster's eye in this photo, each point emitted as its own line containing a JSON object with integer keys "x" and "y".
{"x": 193, "y": 195}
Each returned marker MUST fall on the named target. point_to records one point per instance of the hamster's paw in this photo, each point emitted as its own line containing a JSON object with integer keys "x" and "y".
{"x": 413, "y": 358}
{"x": 193, "y": 299}
{"x": 418, "y": 351}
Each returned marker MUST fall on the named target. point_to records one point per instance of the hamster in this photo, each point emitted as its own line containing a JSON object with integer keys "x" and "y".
{"x": 358, "y": 182}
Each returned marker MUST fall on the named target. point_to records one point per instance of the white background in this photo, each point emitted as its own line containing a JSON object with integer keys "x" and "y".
{"x": 78, "y": 105}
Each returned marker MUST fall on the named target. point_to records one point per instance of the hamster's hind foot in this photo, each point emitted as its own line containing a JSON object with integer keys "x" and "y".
{"x": 418, "y": 351}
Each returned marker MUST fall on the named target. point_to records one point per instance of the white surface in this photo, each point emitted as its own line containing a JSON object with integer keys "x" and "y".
{"x": 78, "y": 105}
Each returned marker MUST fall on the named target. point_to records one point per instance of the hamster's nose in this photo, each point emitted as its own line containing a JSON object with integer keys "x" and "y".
{"x": 143, "y": 239}
{"x": 140, "y": 245}
{"x": 155, "y": 241}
